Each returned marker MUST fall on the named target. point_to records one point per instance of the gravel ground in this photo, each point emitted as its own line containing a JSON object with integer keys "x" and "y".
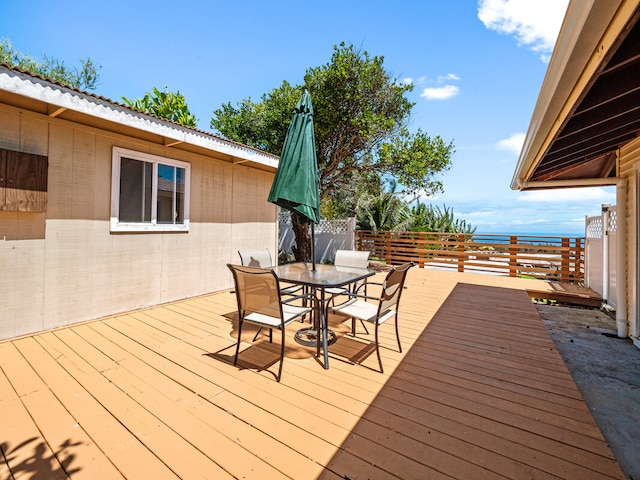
{"x": 606, "y": 369}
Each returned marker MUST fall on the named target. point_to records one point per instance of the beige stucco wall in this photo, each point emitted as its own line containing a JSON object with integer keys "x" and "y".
{"x": 64, "y": 266}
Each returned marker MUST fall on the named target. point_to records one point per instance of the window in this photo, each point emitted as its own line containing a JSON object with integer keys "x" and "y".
{"x": 148, "y": 193}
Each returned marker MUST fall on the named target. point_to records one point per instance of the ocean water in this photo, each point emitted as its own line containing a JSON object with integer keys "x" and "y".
{"x": 535, "y": 234}
{"x": 534, "y": 238}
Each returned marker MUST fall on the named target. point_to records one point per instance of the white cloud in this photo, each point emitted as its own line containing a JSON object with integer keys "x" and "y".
{"x": 481, "y": 213}
{"x": 513, "y": 143}
{"x": 533, "y": 23}
{"x": 568, "y": 195}
{"x": 529, "y": 222}
{"x": 422, "y": 80}
{"x": 447, "y": 77}
{"x": 440, "y": 93}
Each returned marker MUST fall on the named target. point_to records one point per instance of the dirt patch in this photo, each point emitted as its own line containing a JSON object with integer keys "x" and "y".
{"x": 606, "y": 370}
{"x": 571, "y": 317}
{"x": 379, "y": 266}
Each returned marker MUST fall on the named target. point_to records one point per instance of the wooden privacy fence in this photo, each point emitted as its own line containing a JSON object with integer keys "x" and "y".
{"x": 551, "y": 258}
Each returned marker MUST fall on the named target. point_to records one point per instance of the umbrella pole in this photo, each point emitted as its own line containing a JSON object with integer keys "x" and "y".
{"x": 313, "y": 247}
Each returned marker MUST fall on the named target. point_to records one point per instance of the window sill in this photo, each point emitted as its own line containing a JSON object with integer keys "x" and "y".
{"x": 146, "y": 228}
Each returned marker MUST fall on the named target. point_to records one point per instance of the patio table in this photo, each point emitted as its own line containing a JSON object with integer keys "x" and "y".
{"x": 323, "y": 277}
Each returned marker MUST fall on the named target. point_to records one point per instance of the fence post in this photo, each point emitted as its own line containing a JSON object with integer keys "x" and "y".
{"x": 580, "y": 260}
{"x": 460, "y": 249}
{"x": 566, "y": 260}
{"x": 513, "y": 256}
{"x": 351, "y": 233}
{"x": 387, "y": 247}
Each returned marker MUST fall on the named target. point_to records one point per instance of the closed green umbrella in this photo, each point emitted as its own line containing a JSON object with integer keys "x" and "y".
{"x": 296, "y": 186}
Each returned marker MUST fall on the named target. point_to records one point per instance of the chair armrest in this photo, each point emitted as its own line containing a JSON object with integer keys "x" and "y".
{"x": 290, "y": 289}
{"x": 366, "y": 297}
{"x": 305, "y": 296}
{"x": 363, "y": 286}
{"x": 354, "y": 296}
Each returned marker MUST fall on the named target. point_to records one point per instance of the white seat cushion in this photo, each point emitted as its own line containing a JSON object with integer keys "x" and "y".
{"x": 290, "y": 313}
{"x": 363, "y": 310}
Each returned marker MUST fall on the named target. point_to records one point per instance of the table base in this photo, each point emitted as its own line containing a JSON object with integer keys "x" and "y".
{"x": 309, "y": 337}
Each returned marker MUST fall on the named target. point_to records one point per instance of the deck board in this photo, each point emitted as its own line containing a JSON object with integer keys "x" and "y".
{"x": 479, "y": 391}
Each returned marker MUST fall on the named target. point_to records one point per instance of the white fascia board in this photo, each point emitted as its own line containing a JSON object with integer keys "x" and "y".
{"x": 38, "y": 89}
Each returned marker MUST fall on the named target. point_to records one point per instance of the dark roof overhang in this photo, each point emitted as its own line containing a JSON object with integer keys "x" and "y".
{"x": 596, "y": 114}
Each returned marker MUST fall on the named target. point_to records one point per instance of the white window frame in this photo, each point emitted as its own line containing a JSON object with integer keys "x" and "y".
{"x": 153, "y": 225}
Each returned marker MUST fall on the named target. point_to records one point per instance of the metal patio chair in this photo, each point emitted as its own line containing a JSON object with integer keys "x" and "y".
{"x": 357, "y": 307}
{"x": 262, "y": 259}
{"x": 260, "y": 303}
{"x": 256, "y": 258}
{"x": 350, "y": 259}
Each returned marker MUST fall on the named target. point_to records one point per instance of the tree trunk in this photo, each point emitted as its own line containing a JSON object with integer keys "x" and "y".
{"x": 302, "y": 251}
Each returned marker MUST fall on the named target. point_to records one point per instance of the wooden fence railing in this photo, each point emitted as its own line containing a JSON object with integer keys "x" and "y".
{"x": 548, "y": 257}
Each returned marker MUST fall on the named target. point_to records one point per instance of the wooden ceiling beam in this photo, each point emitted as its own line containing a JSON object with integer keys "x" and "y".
{"x": 54, "y": 112}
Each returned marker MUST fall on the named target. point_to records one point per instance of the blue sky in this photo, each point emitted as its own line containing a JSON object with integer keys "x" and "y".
{"x": 477, "y": 68}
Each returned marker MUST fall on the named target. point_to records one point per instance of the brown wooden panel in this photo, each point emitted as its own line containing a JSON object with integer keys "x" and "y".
{"x": 23, "y": 181}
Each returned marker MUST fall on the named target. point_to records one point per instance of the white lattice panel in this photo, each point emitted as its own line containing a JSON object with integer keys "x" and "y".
{"x": 613, "y": 221}
{"x": 331, "y": 235}
{"x": 594, "y": 227}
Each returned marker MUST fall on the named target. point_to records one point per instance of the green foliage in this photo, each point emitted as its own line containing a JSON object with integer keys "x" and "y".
{"x": 261, "y": 125}
{"x": 413, "y": 160}
{"x": 383, "y": 211}
{"x": 360, "y": 122}
{"x": 427, "y": 218}
{"x": 84, "y": 78}
{"x": 165, "y": 104}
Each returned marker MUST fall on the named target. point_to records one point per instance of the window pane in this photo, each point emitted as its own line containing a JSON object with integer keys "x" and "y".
{"x": 180, "y": 188}
{"x": 135, "y": 191}
{"x": 166, "y": 193}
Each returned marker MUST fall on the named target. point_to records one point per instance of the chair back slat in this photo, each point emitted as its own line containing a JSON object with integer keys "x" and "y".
{"x": 351, "y": 258}
{"x": 392, "y": 288}
{"x": 256, "y": 258}
{"x": 257, "y": 291}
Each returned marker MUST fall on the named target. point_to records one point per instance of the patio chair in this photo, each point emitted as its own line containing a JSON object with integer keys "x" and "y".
{"x": 260, "y": 303}
{"x": 256, "y": 258}
{"x": 262, "y": 259}
{"x": 353, "y": 259}
{"x": 357, "y": 306}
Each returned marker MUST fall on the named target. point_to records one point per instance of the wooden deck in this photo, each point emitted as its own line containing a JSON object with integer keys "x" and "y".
{"x": 480, "y": 392}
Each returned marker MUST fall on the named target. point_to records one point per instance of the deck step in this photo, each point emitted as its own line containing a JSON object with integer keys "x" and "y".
{"x": 570, "y": 293}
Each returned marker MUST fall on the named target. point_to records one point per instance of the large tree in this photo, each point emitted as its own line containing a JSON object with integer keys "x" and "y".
{"x": 361, "y": 119}
{"x": 84, "y": 77}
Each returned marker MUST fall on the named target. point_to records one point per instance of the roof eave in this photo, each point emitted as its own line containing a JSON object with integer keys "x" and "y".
{"x": 590, "y": 28}
{"x": 60, "y": 98}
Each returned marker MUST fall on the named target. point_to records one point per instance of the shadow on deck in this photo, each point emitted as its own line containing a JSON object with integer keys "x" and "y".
{"x": 482, "y": 393}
